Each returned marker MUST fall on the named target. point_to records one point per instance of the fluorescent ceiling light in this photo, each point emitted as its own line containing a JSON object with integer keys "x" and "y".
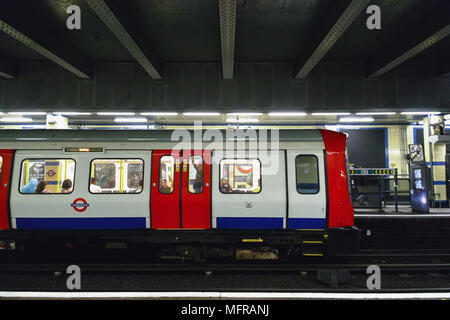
{"x": 129, "y": 120}
{"x": 1, "y": 113}
{"x": 421, "y": 112}
{"x": 15, "y": 119}
{"x": 202, "y": 114}
{"x": 374, "y": 113}
{"x": 31, "y": 113}
{"x": 242, "y": 120}
{"x": 287, "y": 114}
{"x": 356, "y": 119}
{"x": 331, "y": 114}
{"x": 69, "y": 113}
{"x": 115, "y": 113}
{"x": 245, "y": 114}
{"x": 158, "y": 113}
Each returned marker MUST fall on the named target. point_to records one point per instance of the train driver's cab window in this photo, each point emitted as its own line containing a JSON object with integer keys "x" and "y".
{"x": 195, "y": 174}
{"x": 116, "y": 176}
{"x": 307, "y": 174}
{"x": 47, "y": 176}
{"x": 240, "y": 176}
{"x": 166, "y": 174}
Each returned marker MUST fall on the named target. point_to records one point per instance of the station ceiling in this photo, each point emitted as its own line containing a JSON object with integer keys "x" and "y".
{"x": 321, "y": 50}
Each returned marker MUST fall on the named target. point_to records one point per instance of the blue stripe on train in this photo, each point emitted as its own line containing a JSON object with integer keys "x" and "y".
{"x": 80, "y": 223}
{"x": 249, "y": 223}
{"x": 269, "y": 223}
{"x": 306, "y": 223}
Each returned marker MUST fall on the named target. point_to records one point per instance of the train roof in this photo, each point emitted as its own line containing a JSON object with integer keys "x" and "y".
{"x": 52, "y": 135}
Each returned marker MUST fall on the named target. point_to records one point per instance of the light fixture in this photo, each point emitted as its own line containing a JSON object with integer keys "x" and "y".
{"x": 420, "y": 112}
{"x": 245, "y": 114}
{"x": 70, "y": 113}
{"x": 158, "y": 113}
{"x": 115, "y": 113}
{"x": 331, "y": 114}
{"x": 356, "y": 119}
{"x": 15, "y": 119}
{"x": 129, "y": 120}
{"x": 375, "y": 113}
{"x": 287, "y": 114}
{"x": 26, "y": 113}
{"x": 250, "y": 120}
{"x": 201, "y": 114}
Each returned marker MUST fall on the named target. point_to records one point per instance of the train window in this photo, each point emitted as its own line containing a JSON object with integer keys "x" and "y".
{"x": 307, "y": 174}
{"x": 1, "y": 166}
{"x": 195, "y": 174}
{"x": 240, "y": 176}
{"x": 116, "y": 176}
{"x": 54, "y": 176}
{"x": 166, "y": 174}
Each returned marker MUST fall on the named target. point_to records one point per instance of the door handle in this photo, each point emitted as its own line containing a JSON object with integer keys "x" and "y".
{"x": 249, "y": 204}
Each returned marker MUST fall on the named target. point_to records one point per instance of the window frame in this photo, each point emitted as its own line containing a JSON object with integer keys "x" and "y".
{"x": 318, "y": 173}
{"x": 242, "y": 193}
{"x": 116, "y": 193}
{"x": 189, "y": 172}
{"x": 44, "y": 159}
{"x": 159, "y": 173}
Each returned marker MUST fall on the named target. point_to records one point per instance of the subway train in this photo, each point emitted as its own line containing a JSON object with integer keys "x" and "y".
{"x": 242, "y": 194}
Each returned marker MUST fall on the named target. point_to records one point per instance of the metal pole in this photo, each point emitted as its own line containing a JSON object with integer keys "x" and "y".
{"x": 380, "y": 205}
{"x": 396, "y": 189}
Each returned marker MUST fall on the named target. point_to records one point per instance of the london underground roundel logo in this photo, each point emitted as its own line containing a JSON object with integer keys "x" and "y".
{"x": 51, "y": 173}
{"x": 79, "y": 205}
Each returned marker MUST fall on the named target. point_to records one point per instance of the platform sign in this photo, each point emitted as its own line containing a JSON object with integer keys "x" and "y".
{"x": 419, "y": 188}
{"x": 416, "y": 154}
{"x": 371, "y": 172}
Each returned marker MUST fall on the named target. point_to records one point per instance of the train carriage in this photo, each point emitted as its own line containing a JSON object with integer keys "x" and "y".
{"x": 148, "y": 187}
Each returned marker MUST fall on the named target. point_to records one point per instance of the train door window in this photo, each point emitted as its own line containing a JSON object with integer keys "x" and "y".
{"x": 195, "y": 174}
{"x": 307, "y": 174}
{"x": 240, "y": 176}
{"x": 54, "y": 176}
{"x": 166, "y": 174}
{"x": 116, "y": 176}
{"x": 1, "y": 166}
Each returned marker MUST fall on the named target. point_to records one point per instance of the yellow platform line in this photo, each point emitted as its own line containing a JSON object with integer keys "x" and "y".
{"x": 252, "y": 240}
{"x": 313, "y": 254}
{"x": 307, "y": 241}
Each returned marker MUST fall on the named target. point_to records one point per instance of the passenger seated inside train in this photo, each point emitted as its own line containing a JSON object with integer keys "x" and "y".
{"x": 30, "y": 187}
{"x": 93, "y": 187}
{"x": 66, "y": 186}
{"x": 164, "y": 187}
{"x": 225, "y": 186}
{"x": 42, "y": 187}
{"x": 139, "y": 189}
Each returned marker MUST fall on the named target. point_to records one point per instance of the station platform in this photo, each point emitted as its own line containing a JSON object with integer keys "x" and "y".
{"x": 403, "y": 229}
{"x": 403, "y": 212}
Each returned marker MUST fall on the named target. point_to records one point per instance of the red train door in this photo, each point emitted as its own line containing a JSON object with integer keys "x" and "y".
{"x": 196, "y": 189}
{"x": 5, "y": 173}
{"x": 181, "y": 184}
{"x": 165, "y": 194}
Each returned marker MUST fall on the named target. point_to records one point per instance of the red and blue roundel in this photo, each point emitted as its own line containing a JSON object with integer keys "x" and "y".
{"x": 79, "y": 205}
